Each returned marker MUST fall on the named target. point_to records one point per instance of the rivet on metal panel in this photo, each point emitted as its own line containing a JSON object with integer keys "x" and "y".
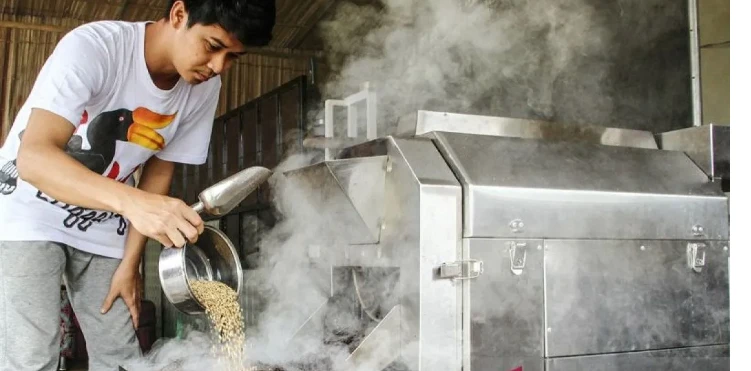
{"x": 539, "y": 247}
{"x": 516, "y": 225}
{"x": 724, "y": 248}
{"x": 550, "y": 329}
{"x": 642, "y": 247}
{"x": 697, "y": 230}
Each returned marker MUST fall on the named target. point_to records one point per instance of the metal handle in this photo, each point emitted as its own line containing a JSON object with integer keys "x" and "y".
{"x": 518, "y": 254}
{"x": 198, "y": 207}
{"x": 696, "y": 254}
{"x": 461, "y": 270}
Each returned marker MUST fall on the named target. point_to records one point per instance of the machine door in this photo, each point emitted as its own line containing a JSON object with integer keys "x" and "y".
{"x": 626, "y": 296}
{"x": 505, "y": 326}
{"x": 561, "y": 305}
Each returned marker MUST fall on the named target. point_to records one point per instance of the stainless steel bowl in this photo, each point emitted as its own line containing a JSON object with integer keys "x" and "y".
{"x": 213, "y": 257}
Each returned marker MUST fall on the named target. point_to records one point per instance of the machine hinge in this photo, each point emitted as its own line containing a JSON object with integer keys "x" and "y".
{"x": 518, "y": 253}
{"x": 461, "y": 270}
{"x": 696, "y": 254}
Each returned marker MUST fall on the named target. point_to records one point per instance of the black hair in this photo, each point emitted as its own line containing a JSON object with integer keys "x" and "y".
{"x": 250, "y": 21}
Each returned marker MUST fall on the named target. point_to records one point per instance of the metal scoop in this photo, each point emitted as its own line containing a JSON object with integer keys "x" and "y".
{"x": 213, "y": 256}
{"x": 225, "y": 195}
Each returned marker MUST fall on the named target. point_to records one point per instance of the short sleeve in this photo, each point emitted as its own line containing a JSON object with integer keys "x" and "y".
{"x": 190, "y": 145}
{"x": 72, "y": 76}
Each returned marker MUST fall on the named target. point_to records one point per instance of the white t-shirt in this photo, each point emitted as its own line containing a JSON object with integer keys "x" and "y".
{"x": 97, "y": 79}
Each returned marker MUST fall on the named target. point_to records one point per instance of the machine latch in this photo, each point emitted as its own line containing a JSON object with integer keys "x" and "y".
{"x": 461, "y": 270}
{"x": 518, "y": 252}
{"x": 696, "y": 254}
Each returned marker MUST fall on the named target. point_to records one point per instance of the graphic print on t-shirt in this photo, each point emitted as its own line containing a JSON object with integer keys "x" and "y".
{"x": 106, "y": 129}
{"x": 102, "y": 134}
{"x": 9, "y": 176}
{"x": 138, "y": 127}
{"x": 98, "y": 154}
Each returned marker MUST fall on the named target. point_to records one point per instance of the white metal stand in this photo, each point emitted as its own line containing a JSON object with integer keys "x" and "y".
{"x": 366, "y": 95}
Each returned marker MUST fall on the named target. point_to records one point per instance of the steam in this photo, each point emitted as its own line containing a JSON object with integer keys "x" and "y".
{"x": 288, "y": 283}
{"x": 291, "y": 281}
{"x": 190, "y": 354}
{"x": 574, "y": 61}
{"x": 459, "y": 56}
{"x": 296, "y": 282}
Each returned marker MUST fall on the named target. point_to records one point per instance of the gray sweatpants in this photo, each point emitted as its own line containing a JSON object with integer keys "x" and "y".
{"x": 30, "y": 277}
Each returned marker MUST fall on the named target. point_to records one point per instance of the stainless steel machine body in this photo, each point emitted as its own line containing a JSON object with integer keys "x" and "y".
{"x": 519, "y": 245}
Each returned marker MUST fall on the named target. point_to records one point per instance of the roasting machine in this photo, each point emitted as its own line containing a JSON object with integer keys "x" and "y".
{"x": 490, "y": 243}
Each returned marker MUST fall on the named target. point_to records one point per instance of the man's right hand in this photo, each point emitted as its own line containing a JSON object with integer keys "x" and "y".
{"x": 165, "y": 219}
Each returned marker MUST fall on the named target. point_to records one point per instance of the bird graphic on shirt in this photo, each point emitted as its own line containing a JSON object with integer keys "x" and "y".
{"x": 106, "y": 129}
{"x": 138, "y": 127}
{"x": 9, "y": 175}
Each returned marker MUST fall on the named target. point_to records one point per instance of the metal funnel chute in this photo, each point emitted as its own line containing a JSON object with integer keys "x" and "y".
{"x": 380, "y": 347}
{"x": 350, "y": 190}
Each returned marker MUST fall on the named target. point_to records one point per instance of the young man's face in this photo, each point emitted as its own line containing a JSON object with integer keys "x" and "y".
{"x": 202, "y": 52}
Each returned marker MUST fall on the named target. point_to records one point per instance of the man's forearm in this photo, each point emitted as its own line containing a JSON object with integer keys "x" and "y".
{"x": 43, "y": 163}
{"x": 156, "y": 178}
{"x": 60, "y": 176}
{"x": 135, "y": 244}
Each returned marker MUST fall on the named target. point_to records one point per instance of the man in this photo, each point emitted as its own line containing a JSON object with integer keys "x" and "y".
{"x": 112, "y": 96}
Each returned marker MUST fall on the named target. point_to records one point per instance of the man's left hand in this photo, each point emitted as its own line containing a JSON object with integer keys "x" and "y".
{"x": 126, "y": 283}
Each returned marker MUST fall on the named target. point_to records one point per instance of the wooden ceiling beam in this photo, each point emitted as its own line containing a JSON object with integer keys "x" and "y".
{"x": 300, "y": 37}
{"x": 33, "y": 26}
{"x": 267, "y": 51}
{"x": 270, "y": 51}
